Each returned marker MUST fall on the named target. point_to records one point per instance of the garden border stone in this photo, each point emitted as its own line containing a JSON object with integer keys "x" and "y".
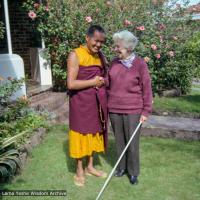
{"x": 172, "y": 127}
{"x": 35, "y": 139}
{"x": 175, "y": 114}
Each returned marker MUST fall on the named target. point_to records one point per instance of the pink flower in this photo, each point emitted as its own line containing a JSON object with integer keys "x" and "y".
{"x": 158, "y": 56}
{"x": 154, "y": 47}
{"x": 175, "y": 38}
{"x": 154, "y": 2}
{"x": 47, "y": 8}
{"x": 141, "y": 28}
{"x": 162, "y": 26}
{"x": 36, "y": 5}
{"x": 171, "y": 53}
{"x": 146, "y": 59}
{"x": 32, "y": 15}
{"x": 88, "y": 19}
{"x": 194, "y": 9}
{"x": 127, "y": 22}
{"x": 161, "y": 38}
{"x": 108, "y": 3}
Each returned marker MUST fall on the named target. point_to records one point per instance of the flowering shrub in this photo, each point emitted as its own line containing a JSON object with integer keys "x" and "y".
{"x": 162, "y": 31}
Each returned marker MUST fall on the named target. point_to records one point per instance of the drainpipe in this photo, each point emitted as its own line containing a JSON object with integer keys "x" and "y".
{"x": 7, "y": 26}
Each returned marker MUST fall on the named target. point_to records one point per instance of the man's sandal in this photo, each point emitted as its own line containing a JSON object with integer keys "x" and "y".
{"x": 79, "y": 181}
{"x": 96, "y": 173}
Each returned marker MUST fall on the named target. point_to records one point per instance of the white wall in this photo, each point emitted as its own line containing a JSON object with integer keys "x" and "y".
{"x": 12, "y": 65}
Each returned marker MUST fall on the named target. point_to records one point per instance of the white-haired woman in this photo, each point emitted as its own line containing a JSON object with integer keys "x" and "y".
{"x": 129, "y": 100}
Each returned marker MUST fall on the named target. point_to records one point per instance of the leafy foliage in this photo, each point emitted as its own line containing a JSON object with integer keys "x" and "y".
{"x": 9, "y": 157}
{"x": 162, "y": 30}
{"x": 17, "y": 121}
{"x": 192, "y": 50}
{"x": 8, "y": 88}
{"x": 16, "y": 116}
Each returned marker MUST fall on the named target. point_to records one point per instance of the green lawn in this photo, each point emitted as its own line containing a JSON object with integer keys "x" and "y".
{"x": 185, "y": 104}
{"x": 196, "y": 85}
{"x": 170, "y": 170}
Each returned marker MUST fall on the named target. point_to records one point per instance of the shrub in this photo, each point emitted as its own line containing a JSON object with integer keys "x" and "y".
{"x": 9, "y": 159}
{"x": 192, "y": 50}
{"x": 162, "y": 30}
{"x": 16, "y": 116}
{"x": 8, "y": 88}
{"x": 17, "y": 121}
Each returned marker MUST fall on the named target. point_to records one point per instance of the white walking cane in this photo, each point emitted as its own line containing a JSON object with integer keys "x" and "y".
{"x": 110, "y": 175}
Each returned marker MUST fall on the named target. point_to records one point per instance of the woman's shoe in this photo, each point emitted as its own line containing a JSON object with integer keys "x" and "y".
{"x": 133, "y": 179}
{"x": 79, "y": 181}
{"x": 96, "y": 173}
{"x": 119, "y": 173}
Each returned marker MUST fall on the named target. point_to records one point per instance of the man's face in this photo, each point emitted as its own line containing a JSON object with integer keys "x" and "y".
{"x": 95, "y": 42}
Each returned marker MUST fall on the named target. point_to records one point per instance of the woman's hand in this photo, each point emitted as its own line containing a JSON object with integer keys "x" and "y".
{"x": 143, "y": 118}
{"x": 98, "y": 81}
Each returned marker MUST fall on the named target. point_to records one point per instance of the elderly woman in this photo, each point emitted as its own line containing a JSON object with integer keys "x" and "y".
{"x": 129, "y": 100}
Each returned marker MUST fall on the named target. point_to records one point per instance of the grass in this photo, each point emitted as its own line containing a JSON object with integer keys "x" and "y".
{"x": 185, "y": 104}
{"x": 196, "y": 85}
{"x": 169, "y": 171}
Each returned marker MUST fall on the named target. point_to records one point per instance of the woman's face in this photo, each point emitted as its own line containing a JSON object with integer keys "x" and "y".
{"x": 120, "y": 51}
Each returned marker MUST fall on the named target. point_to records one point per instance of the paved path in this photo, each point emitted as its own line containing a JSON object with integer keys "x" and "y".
{"x": 165, "y": 122}
{"x": 162, "y": 126}
{"x": 175, "y": 127}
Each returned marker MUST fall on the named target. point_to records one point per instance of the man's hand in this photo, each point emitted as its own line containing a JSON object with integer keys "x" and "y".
{"x": 98, "y": 81}
{"x": 143, "y": 118}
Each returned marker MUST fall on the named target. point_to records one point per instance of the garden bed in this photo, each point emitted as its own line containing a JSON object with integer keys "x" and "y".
{"x": 26, "y": 149}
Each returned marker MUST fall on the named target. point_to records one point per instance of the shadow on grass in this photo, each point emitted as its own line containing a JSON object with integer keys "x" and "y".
{"x": 3, "y": 186}
{"x": 109, "y": 156}
{"x": 195, "y": 98}
{"x": 170, "y": 145}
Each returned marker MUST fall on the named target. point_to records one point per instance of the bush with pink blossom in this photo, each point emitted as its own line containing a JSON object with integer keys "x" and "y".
{"x": 162, "y": 31}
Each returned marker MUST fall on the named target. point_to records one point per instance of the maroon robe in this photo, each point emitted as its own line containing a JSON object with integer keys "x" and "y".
{"x": 88, "y": 107}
